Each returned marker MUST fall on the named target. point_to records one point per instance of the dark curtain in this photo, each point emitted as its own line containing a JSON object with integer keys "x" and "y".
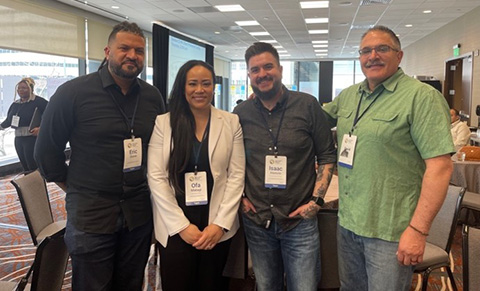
{"x": 209, "y": 54}
{"x": 160, "y": 59}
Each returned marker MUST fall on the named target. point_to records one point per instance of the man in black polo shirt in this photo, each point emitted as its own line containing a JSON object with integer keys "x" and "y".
{"x": 107, "y": 117}
{"x": 285, "y": 134}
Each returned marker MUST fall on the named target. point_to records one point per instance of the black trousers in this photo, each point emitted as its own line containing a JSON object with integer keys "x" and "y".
{"x": 184, "y": 268}
{"x": 108, "y": 262}
{"x": 24, "y": 146}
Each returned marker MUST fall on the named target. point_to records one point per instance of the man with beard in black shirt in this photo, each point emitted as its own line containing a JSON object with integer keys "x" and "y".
{"x": 107, "y": 117}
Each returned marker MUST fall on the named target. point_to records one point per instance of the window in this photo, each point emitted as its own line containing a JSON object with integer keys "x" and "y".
{"x": 48, "y": 71}
{"x": 343, "y": 76}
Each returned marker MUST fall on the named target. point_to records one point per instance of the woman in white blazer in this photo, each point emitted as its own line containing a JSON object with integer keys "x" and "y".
{"x": 196, "y": 170}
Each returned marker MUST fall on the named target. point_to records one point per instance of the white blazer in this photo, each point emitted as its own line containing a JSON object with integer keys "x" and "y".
{"x": 227, "y": 162}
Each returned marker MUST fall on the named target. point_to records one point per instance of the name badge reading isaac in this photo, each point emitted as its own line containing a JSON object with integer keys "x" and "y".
{"x": 196, "y": 188}
{"x": 133, "y": 154}
{"x": 276, "y": 172}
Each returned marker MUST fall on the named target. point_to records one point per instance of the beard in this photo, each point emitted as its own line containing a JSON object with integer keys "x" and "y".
{"x": 130, "y": 73}
{"x": 267, "y": 95}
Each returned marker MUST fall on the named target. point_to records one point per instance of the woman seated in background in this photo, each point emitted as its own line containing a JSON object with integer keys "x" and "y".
{"x": 196, "y": 169}
{"x": 19, "y": 117}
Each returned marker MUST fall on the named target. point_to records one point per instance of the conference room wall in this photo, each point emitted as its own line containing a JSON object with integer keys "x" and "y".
{"x": 428, "y": 55}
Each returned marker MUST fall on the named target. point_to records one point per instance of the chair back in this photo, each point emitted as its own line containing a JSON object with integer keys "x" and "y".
{"x": 33, "y": 195}
{"x": 327, "y": 227}
{"x": 444, "y": 225}
{"x": 471, "y": 258}
{"x": 51, "y": 259}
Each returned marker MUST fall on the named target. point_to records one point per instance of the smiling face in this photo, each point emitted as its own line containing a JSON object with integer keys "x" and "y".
{"x": 125, "y": 54}
{"x": 377, "y": 67}
{"x": 265, "y": 76}
{"x": 199, "y": 88}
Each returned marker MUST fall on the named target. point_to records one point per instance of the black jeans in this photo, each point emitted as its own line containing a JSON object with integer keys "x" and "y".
{"x": 109, "y": 261}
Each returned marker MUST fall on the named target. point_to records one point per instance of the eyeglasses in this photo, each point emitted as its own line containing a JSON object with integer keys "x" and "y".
{"x": 379, "y": 49}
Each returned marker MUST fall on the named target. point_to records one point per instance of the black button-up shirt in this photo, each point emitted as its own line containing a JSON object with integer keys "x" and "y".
{"x": 304, "y": 135}
{"x": 83, "y": 112}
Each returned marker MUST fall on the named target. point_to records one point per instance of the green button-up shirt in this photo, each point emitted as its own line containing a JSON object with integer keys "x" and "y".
{"x": 402, "y": 123}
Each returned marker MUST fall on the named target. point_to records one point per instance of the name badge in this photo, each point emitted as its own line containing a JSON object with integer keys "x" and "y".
{"x": 15, "y": 121}
{"x": 133, "y": 154}
{"x": 196, "y": 189}
{"x": 276, "y": 172}
{"x": 347, "y": 151}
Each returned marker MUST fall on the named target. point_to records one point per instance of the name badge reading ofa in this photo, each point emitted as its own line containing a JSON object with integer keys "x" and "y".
{"x": 196, "y": 189}
{"x": 133, "y": 154}
{"x": 15, "y": 121}
{"x": 347, "y": 151}
{"x": 276, "y": 172}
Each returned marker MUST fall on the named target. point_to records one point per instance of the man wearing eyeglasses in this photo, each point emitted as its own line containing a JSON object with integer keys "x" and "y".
{"x": 395, "y": 178}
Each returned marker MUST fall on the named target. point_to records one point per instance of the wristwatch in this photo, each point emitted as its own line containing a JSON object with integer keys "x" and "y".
{"x": 318, "y": 200}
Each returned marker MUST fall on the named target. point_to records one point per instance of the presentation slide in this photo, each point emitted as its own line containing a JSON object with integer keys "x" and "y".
{"x": 181, "y": 51}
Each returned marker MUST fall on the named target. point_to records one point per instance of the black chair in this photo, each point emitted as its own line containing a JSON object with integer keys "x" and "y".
{"x": 441, "y": 235}
{"x": 471, "y": 202}
{"x": 471, "y": 258}
{"x": 327, "y": 227}
{"x": 49, "y": 265}
{"x": 33, "y": 195}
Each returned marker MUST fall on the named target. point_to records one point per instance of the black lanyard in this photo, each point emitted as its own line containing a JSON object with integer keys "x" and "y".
{"x": 125, "y": 118}
{"x": 196, "y": 153}
{"x": 357, "y": 117}
{"x": 274, "y": 138}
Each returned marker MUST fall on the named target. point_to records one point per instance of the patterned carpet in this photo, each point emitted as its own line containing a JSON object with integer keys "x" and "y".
{"x": 17, "y": 250}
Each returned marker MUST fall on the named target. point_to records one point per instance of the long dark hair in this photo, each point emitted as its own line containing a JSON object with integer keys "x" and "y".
{"x": 182, "y": 123}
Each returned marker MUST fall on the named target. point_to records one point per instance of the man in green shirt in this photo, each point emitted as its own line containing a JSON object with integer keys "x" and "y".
{"x": 394, "y": 167}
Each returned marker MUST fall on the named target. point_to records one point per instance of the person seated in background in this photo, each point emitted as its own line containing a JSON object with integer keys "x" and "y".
{"x": 19, "y": 117}
{"x": 459, "y": 129}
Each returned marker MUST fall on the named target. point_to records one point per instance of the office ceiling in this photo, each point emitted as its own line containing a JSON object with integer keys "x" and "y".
{"x": 284, "y": 20}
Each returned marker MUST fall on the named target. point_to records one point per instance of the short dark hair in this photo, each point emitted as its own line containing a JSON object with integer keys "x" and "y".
{"x": 126, "y": 26}
{"x": 130, "y": 27}
{"x": 259, "y": 48}
{"x": 387, "y": 30}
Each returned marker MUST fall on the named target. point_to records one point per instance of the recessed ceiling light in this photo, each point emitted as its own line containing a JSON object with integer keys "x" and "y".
{"x": 319, "y": 41}
{"x": 408, "y": 25}
{"x": 217, "y": 32}
{"x": 268, "y": 40}
{"x": 320, "y": 45}
{"x": 115, "y": 7}
{"x": 320, "y": 51}
{"x": 316, "y": 20}
{"x": 318, "y": 31}
{"x": 278, "y": 46}
{"x": 427, "y": 11}
{"x": 229, "y": 8}
{"x": 321, "y": 55}
{"x": 314, "y": 4}
{"x": 282, "y": 52}
{"x": 286, "y": 55}
{"x": 247, "y": 23}
{"x": 259, "y": 33}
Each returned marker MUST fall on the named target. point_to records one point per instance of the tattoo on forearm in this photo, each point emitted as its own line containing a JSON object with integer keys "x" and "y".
{"x": 320, "y": 172}
{"x": 321, "y": 191}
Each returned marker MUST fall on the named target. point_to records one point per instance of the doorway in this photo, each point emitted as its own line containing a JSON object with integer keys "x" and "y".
{"x": 458, "y": 86}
